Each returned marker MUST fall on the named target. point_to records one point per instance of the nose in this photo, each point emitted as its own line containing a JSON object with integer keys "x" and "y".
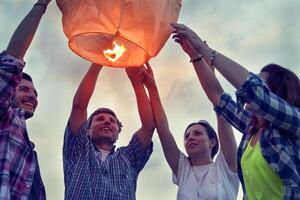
{"x": 31, "y": 94}
{"x": 107, "y": 122}
{"x": 190, "y": 138}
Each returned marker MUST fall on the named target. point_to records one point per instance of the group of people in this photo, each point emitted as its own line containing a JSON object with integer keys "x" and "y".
{"x": 267, "y": 112}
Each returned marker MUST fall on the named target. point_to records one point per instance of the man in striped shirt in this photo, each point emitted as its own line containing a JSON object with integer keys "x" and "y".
{"x": 93, "y": 169}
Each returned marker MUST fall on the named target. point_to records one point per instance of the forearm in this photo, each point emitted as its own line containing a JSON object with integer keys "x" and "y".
{"x": 86, "y": 87}
{"x": 208, "y": 81}
{"x": 144, "y": 108}
{"x": 227, "y": 142}
{"x": 232, "y": 71}
{"x": 23, "y": 35}
{"x": 167, "y": 140}
{"x": 160, "y": 117}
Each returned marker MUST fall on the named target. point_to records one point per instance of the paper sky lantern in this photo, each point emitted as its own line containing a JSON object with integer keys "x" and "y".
{"x": 118, "y": 33}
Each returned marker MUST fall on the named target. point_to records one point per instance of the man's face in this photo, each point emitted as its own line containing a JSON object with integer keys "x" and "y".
{"x": 104, "y": 127}
{"x": 26, "y": 98}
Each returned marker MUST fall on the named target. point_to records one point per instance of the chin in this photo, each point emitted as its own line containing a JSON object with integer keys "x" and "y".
{"x": 103, "y": 138}
{"x": 28, "y": 114}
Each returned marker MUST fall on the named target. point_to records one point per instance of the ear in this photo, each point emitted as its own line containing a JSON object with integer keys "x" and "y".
{"x": 212, "y": 143}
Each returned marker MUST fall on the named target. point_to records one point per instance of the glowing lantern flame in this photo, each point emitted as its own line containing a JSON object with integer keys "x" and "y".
{"x": 115, "y": 53}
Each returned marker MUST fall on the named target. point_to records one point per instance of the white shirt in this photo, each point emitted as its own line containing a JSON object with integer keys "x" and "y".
{"x": 103, "y": 154}
{"x": 214, "y": 181}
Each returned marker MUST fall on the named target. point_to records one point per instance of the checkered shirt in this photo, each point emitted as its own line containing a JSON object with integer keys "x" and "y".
{"x": 17, "y": 157}
{"x": 280, "y": 143}
{"x": 87, "y": 177}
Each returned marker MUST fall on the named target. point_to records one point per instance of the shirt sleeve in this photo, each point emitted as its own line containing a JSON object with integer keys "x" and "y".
{"x": 183, "y": 163}
{"x": 72, "y": 149}
{"x": 75, "y": 142}
{"x": 137, "y": 154}
{"x": 5, "y": 167}
{"x": 10, "y": 77}
{"x": 235, "y": 115}
{"x": 270, "y": 106}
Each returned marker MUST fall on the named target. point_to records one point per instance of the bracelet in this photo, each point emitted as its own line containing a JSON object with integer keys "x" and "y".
{"x": 212, "y": 57}
{"x": 197, "y": 59}
{"x": 41, "y": 4}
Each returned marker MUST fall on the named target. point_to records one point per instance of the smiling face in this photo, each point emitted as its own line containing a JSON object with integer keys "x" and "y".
{"x": 196, "y": 141}
{"x": 26, "y": 98}
{"x": 104, "y": 128}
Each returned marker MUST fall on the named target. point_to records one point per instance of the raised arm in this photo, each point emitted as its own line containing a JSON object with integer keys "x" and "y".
{"x": 232, "y": 71}
{"x": 23, "y": 35}
{"x": 82, "y": 97}
{"x": 145, "y": 133}
{"x": 213, "y": 91}
{"x": 167, "y": 140}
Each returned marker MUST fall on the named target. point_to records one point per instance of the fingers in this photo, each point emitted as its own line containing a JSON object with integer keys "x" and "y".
{"x": 178, "y": 26}
{"x": 149, "y": 68}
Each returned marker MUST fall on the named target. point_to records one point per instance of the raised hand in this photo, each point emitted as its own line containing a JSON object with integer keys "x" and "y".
{"x": 190, "y": 42}
{"x": 149, "y": 80}
{"x": 136, "y": 74}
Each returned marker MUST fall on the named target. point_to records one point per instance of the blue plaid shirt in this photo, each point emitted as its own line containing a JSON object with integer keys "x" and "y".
{"x": 280, "y": 143}
{"x": 87, "y": 177}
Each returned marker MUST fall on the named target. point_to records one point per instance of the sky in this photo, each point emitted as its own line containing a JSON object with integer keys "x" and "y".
{"x": 253, "y": 33}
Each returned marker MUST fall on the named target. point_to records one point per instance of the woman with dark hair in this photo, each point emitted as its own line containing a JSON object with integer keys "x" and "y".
{"x": 269, "y": 152}
{"x": 198, "y": 175}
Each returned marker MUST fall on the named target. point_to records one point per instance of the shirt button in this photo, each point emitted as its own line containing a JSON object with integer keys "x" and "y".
{"x": 27, "y": 185}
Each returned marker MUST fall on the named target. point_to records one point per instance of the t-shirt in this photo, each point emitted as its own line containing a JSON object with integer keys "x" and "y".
{"x": 214, "y": 181}
{"x": 104, "y": 154}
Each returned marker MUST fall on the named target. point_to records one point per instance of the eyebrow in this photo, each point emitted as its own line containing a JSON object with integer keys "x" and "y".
{"x": 24, "y": 86}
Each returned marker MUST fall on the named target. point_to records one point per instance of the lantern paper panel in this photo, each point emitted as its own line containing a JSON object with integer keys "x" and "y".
{"x": 100, "y": 29}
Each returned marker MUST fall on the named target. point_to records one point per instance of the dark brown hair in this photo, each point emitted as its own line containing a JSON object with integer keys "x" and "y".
{"x": 210, "y": 133}
{"x": 26, "y": 77}
{"x": 283, "y": 83}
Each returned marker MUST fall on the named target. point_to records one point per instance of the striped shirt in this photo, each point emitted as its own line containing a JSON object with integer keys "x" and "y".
{"x": 18, "y": 162}
{"x": 280, "y": 142}
{"x": 87, "y": 177}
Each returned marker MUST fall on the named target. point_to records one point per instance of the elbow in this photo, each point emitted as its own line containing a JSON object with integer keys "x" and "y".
{"x": 215, "y": 99}
{"x": 78, "y": 104}
{"x": 149, "y": 128}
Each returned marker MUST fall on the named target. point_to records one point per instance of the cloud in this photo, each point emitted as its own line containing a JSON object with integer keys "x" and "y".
{"x": 253, "y": 33}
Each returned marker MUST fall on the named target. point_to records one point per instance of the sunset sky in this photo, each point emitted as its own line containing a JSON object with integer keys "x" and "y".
{"x": 253, "y": 33}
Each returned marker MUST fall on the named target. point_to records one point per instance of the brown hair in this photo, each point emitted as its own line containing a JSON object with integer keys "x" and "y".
{"x": 210, "y": 133}
{"x": 283, "y": 83}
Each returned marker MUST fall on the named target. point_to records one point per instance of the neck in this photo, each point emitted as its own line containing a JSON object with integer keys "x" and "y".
{"x": 258, "y": 123}
{"x": 262, "y": 123}
{"x": 105, "y": 147}
{"x": 200, "y": 160}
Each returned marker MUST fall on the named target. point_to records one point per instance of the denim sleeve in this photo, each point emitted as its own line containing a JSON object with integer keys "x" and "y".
{"x": 235, "y": 115}
{"x": 270, "y": 106}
